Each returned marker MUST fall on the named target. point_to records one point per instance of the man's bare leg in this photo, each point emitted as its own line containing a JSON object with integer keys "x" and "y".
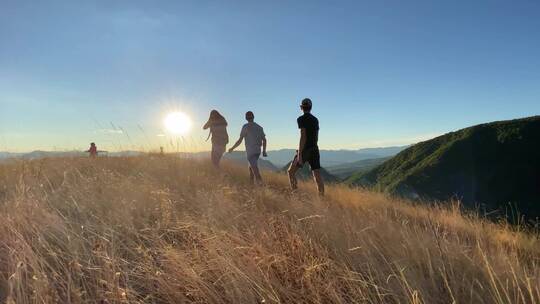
{"x": 257, "y": 175}
{"x": 251, "y": 176}
{"x": 292, "y": 174}
{"x": 319, "y": 181}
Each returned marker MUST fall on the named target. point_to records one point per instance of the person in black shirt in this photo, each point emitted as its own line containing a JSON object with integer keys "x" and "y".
{"x": 308, "y": 150}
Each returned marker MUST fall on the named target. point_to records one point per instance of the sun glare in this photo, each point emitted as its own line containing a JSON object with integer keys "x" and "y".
{"x": 177, "y": 123}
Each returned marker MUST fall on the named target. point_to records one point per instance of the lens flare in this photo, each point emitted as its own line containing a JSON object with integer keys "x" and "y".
{"x": 177, "y": 123}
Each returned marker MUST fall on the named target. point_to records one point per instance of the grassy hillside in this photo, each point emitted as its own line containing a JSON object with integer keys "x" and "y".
{"x": 305, "y": 173}
{"x": 240, "y": 158}
{"x": 345, "y": 171}
{"x": 168, "y": 230}
{"x": 496, "y": 165}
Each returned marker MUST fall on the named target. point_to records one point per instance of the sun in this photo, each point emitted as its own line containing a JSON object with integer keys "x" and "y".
{"x": 177, "y": 123}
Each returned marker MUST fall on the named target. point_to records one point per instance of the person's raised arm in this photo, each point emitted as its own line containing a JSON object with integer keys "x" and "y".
{"x": 302, "y": 144}
{"x": 206, "y": 125}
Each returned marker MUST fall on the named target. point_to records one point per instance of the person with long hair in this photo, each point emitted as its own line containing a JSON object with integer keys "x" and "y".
{"x": 218, "y": 131}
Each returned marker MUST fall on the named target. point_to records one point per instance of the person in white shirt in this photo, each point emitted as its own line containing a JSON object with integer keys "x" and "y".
{"x": 254, "y": 138}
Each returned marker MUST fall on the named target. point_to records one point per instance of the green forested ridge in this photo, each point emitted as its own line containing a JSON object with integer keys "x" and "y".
{"x": 494, "y": 165}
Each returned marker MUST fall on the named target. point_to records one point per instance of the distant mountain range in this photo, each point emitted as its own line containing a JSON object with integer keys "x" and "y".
{"x": 345, "y": 170}
{"x": 240, "y": 157}
{"x": 42, "y": 154}
{"x": 336, "y": 157}
{"x": 494, "y": 165}
{"x": 277, "y": 157}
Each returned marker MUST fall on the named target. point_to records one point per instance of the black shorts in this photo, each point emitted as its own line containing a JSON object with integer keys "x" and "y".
{"x": 311, "y": 156}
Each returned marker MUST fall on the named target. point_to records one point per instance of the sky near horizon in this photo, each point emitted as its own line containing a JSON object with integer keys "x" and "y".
{"x": 380, "y": 73}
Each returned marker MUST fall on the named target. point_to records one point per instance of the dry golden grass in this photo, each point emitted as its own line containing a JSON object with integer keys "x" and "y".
{"x": 167, "y": 230}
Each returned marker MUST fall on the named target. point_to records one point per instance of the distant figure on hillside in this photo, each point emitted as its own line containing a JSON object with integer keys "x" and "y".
{"x": 308, "y": 150}
{"x": 218, "y": 130}
{"x": 93, "y": 150}
{"x": 254, "y": 138}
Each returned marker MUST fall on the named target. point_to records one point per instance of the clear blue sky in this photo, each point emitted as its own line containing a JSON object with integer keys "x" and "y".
{"x": 379, "y": 72}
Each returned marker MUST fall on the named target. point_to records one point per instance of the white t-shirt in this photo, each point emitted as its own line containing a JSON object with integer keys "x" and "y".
{"x": 253, "y": 135}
